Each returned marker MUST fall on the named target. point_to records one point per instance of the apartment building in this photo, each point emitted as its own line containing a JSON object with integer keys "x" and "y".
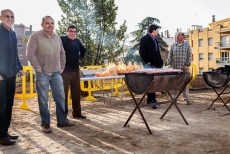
{"x": 210, "y": 46}
{"x": 21, "y": 30}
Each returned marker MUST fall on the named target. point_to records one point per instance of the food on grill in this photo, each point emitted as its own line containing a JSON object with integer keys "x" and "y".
{"x": 98, "y": 74}
{"x": 112, "y": 68}
{"x": 130, "y": 67}
{"x": 135, "y": 66}
{"x": 157, "y": 71}
{"x": 121, "y": 68}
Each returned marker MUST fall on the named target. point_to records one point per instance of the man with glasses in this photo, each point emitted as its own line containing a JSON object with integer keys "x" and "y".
{"x": 180, "y": 58}
{"x": 75, "y": 52}
{"x": 47, "y": 56}
{"x": 150, "y": 54}
{"x": 10, "y": 66}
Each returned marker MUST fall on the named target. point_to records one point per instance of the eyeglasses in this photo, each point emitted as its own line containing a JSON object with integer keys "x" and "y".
{"x": 12, "y": 17}
{"x": 72, "y": 31}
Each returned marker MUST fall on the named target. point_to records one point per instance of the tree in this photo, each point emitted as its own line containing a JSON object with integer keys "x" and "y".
{"x": 97, "y": 31}
{"x": 25, "y": 38}
{"x": 143, "y": 28}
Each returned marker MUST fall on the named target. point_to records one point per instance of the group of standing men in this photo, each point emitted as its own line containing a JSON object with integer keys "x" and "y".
{"x": 179, "y": 58}
{"x": 56, "y": 62}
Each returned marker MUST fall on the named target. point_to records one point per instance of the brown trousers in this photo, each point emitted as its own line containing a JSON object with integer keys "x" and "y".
{"x": 72, "y": 80}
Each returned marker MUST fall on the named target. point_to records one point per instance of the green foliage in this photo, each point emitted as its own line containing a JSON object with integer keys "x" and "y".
{"x": 143, "y": 29}
{"x": 95, "y": 20}
{"x": 133, "y": 58}
{"x": 25, "y": 38}
{"x": 18, "y": 78}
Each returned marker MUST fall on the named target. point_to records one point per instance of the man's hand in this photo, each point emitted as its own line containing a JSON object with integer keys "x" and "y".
{"x": 39, "y": 70}
{"x": 185, "y": 68}
{"x": 60, "y": 71}
{"x": 21, "y": 72}
{"x": 1, "y": 78}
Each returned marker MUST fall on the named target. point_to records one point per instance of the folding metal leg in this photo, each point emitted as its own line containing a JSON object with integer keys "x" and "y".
{"x": 218, "y": 96}
{"x": 138, "y": 107}
{"x": 174, "y": 100}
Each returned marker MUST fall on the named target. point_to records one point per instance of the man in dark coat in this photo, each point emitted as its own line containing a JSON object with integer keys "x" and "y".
{"x": 10, "y": 66}
{"x": 151, "y": 57}
{"x": 75, "y": 52}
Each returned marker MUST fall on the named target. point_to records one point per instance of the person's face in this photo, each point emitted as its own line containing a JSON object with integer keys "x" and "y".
{"x": 71, "y": 33}
{"x": 155, "y": 33}
{"x": 7, "y": 19}
{"x": 180, "y": 37}
{"x": 48, "y": 25}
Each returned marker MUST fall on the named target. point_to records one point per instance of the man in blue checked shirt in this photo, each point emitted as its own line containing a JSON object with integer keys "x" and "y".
{"x": 180, "y": 58}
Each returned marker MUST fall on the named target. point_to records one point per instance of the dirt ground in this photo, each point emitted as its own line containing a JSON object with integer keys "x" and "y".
{"x": 104, "y": 131}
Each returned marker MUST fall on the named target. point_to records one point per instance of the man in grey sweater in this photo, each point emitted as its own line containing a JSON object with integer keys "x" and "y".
{"x": 47, "y": 56}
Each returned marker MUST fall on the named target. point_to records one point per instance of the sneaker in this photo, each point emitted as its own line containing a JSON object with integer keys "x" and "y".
{"x": 66, "y": 124}
{"x": 46, "y": 128}
{"x": 155, "y": 105}
{"x": 188, "y": 102}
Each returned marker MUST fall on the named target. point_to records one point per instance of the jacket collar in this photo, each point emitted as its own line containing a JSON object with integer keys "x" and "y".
{"x": 4, "y": 29}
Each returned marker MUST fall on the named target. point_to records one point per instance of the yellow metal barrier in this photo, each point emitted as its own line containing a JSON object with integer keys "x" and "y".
{"x": 24, "y": 95}
{"x": 97, "y": 85}
{"x": 193, "y": 71}
{"x": 94, "y": 67}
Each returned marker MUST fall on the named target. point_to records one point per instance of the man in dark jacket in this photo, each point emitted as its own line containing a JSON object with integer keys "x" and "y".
{"x": 75, "y": 52}
{"x": 151, "y": 57}
{"x": 10, "y": 66}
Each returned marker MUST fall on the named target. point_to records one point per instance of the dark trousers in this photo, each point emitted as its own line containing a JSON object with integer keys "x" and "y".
{"x": 151, "y": 97}
{"x": 7, "y": 91}
{"x": 72, "y": 80}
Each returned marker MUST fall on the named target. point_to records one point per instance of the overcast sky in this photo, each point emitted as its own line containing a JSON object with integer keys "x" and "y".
{"x": 172, "y": 14}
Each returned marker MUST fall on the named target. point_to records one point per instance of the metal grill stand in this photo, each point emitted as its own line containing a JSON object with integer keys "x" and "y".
{"x": 153, "y": 86}
{"x": 217, "y": 80}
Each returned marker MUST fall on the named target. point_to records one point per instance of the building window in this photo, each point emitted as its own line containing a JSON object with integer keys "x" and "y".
{"x": 209, "y": 41}
{"x": 201, "y": 56}
{"x": 20, "y": 46}
{"x": 224, "y": 41}
{"x": 201, "y": 70}
{"x": 224, "y": 57}
{"x": 210, "y": 56}
{"x": 201, "y": 42}
{"x": 20, "y": 57}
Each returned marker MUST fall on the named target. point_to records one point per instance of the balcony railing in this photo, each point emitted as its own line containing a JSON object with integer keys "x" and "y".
{"x": 222, "y": 61}
{"x": 223, "y": 44}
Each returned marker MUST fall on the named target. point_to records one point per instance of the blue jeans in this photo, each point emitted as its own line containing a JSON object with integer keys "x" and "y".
{"x": 43, "y": 81}
{"x": 151, "y": 97}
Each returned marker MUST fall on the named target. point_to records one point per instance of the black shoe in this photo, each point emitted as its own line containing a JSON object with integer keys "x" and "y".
{"x": 150, "y": 102}
{"x": 155, "y": 105}
{"x": 80, "y": 117}
{"x": 6, "y": 141}
{"x": 68, "y": 124}
{"x": 13, "y": 137}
